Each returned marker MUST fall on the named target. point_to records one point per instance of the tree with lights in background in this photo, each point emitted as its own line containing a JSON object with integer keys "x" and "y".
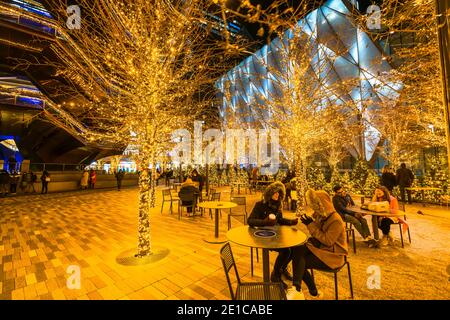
{"x": 142, "y": 65}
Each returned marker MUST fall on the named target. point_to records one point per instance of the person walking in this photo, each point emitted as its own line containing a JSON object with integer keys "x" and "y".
{"x": 405, "y": 178}
{"x": 45, "y": 179}
{"x": 388, "y": 178}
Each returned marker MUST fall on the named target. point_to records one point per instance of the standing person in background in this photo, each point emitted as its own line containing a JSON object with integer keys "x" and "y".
{"x": 92, "y": 179}
{"x": 30, "y": 185}
{"x": 196, "y": 177}
{"x": 119, "y": 177}
{"x": 4, "y": 182}
{"x": 45, "y": 179}
{"x": 388, "y": 179}
{"x": 405, "y": 178}
{"x": 14, "y": 180}
{"x": 84, "y": 180}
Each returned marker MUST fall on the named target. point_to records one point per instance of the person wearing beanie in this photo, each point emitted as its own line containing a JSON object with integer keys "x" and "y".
{"x": 325, "y": 249}
{"x": 342, "y": 203}
{"x": 271, "y": 204}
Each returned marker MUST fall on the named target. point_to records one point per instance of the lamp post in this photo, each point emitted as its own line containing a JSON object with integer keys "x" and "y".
{"x": 442, "y": 7}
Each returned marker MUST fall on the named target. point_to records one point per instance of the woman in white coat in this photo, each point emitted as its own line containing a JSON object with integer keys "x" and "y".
{"x": 84, "y": 180}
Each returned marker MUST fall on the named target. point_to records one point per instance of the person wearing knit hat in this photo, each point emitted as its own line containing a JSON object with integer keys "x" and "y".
{"x": 267, "y": 212}
{"x": 325, "y": 249}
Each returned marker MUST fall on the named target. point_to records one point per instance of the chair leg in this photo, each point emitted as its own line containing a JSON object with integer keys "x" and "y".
{"x": 336, "y": 287}
{"x": 409, "y": 235}
{"x": 354, "y": 241}
{"x": 251, "y": 261}
{"x": 162, "y": 206}
{"x": 257, "y": 255}
{"x": 401, "y": 234}
{"x": 350, "y": 280}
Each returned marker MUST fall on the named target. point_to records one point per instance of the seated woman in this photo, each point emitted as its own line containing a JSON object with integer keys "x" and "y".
{"x": 325, "y": 249}
{"x": 384, "y": 223}
{"x": 188, "y": 194}
{"x": 264, "y": 210}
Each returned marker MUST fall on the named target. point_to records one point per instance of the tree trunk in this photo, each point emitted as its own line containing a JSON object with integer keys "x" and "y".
{"x": 301, "y": 185}
{"x": 144, "y": 239}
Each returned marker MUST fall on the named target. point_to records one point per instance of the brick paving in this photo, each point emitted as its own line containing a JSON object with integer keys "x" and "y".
{"x": 42, "y": 235}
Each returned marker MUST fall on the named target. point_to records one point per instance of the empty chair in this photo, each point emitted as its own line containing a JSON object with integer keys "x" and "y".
{"x": 167, "y": 197}
{"x": 401, "y": 231}
{"x": 239, "y": 211}
{"x": 248, "y": 290}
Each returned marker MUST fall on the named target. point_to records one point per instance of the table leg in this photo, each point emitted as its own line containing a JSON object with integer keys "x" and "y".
{"x": 216, "y": 238}
{"x": 375, "y": 227}
{"x": 266, "y": 265}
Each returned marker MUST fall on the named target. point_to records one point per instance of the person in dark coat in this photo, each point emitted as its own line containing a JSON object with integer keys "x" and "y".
{"x": 388, "y": 179}
{"x": 342, "y": 203}
{"x": 267, "y": 212}
{"x": 45, "y": 179}
{"x": 119, "y": 177}
{"x": 188, "y": 194}
{"x": 405, "y": 178}
{"x": 196, "y": 177}
{"x": 4, "y": 182}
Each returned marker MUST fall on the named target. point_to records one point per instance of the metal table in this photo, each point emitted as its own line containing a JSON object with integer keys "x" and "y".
{"x": 392, "y": 213}
{"x": 216, "y": 205}
{"x": 286, "y": 237}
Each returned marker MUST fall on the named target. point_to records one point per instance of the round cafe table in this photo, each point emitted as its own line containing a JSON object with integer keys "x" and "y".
{"x": 216, "y": 205}
{"x": 392, "y": 213}
{"x": 284, "y": 237}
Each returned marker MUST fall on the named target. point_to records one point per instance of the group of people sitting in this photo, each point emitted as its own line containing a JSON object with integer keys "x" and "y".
{"x": 326, "y": 247}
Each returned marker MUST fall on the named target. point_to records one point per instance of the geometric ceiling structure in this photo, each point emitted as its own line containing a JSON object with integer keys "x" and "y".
{"x": 347, "y": 51}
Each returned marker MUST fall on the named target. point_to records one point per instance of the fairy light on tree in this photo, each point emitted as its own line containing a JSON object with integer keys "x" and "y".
{"x": 142, "y": 65}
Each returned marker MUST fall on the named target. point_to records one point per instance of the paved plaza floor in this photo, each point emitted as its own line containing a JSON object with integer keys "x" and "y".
{"x": 42, "y": 235}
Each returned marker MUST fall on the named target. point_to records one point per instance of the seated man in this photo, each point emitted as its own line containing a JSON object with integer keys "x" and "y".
{"x": 188, "y": 194}
{"x": 342, "y": 203}
{"x": 260, "y": 217}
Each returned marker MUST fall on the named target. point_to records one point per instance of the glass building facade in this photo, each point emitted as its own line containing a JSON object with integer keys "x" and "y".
{"x": 346, "y": 50}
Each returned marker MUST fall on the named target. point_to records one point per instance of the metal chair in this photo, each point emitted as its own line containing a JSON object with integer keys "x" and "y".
{"x": 350, "y": 232}
{"x": 248, "y": 290}
{"x": 187, "y": 197}
{"x": 241, "y": 202}
{"x": 167, "y": 197}
{"x": 401, "y": 231}
{"x": 335, "y": 272}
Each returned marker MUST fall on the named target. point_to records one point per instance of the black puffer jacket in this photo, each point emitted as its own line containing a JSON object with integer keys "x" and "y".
{"x": 268, "y": 206}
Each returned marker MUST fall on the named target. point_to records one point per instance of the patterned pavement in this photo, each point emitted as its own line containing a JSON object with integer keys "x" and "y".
{"x": 42, "y": 235}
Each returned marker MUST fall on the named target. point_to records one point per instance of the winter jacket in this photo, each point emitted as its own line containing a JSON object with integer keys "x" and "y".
{"x": 267, "y": 206}
{"x": 333, "y": 243}
{"x": 388, "y": 180}
{"x": 405, "y": 177}
{"x": 341, "y": 203}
